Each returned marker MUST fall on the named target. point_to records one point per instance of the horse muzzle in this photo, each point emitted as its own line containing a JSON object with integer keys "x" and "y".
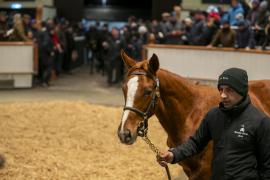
{"x": 126, "y": 137}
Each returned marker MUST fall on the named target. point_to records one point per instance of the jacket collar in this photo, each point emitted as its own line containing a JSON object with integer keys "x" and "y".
{"x": 237, "y": 109}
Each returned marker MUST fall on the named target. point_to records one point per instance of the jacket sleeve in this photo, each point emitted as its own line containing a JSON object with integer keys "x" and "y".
{"x": 216, "y": 39}
{"x": 194, "y": 145}
{"x": 263, "y": 143}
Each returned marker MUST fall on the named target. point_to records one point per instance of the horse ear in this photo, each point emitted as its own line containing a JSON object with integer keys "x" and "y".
{"x": 154, "y": 63}
{"x": 127, "y": 60}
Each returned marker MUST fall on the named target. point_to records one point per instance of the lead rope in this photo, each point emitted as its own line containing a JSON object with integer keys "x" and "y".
{"x": 154, "y": 149}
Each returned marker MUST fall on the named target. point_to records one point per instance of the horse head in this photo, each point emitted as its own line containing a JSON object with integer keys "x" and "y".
{"x": 141, "y": 92}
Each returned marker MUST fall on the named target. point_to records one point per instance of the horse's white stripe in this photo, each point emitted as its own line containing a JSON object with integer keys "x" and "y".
{"x": 132, "y": 87}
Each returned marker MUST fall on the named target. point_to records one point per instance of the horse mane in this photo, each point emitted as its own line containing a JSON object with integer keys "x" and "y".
{"x": 195, "y": 88}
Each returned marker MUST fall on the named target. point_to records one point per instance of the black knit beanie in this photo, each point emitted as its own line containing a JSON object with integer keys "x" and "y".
{"x": 236, "y": 78}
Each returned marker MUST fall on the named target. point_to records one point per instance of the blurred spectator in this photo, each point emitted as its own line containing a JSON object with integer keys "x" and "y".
{"x": 46, "y": 53}
{"x": 234, "y": 11}
{"x": 177, "y": 12}
{"x": 253, "y": 14}
{"x": 213, "y": 10}
{"x": 197, "y": 28}
{"x": 263, "y": 13}
{"x": 244, "y": 36}
{"x": 140, "y": 40}
{"x": 143, "y": 32}
{"x": 187, "y": 22}
{"x": 103, "y": 52}
{"x": 57, "y": 50}
{"x": 92, "y": 41}
{"x": 26, "y": 23}
{"x": 157, "y": 31}
{"x": 131, "y": 20}
{"x": 59, "y": 56}
{"x": 246, "y": 7}
{"x": 114, "y": 64}
{"x": 225, "y": 36}
{"x": 34, "y": 32}
{"x": 165, "y": 23}
{"x": 209, "y": 30}
{"x": 18, "y": 31}
{"x": 3, "y": 26}
{"x": 70, "y": 47}
{"x": 151, "y": 39}
{"x": 175, "y": 28}
{"x": 267, "y": 33}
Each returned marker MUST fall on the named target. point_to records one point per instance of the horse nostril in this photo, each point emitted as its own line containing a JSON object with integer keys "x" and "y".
{"x": 127, "y": 135}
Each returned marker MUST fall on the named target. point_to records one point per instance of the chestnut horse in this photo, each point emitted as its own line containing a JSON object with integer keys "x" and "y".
{"x": 179, "y": 106}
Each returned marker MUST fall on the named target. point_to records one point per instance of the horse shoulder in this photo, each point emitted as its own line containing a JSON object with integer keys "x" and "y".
{"x": 259, "y": 92}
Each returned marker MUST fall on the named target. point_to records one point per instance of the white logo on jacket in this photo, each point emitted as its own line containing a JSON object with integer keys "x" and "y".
{"x": 241, "y": 133}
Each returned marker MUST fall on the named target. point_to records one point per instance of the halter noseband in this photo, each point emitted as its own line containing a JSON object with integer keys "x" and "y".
{"x": 143, "y": 125}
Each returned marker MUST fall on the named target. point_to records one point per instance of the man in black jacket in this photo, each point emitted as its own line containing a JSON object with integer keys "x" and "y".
{"x": 240, "y": 132}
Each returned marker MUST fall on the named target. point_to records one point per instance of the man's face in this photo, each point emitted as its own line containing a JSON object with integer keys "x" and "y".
{"x": 229, "y": 97}
{"x": 234, "y": 3}
{"x": 226, "y": 26}
{"x": 115, "y": 33}
{"x": 26, "y": 20}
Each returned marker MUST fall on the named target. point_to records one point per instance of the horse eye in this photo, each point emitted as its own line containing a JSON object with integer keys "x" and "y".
{"x": 147, "y": 91}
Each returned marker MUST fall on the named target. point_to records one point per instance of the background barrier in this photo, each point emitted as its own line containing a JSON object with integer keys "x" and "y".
{"x": 205, "y": 64}
{"x": 17, "y": 64}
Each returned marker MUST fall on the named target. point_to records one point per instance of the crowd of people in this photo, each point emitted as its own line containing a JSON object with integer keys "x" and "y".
{"x": 243, "y": 25}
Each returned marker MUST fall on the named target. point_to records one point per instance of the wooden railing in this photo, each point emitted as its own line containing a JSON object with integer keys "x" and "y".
{"x": 202, "y": 63}
{"x": 18, "y": 63}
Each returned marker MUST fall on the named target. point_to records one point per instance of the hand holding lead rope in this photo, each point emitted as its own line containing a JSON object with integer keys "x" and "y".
{"x": 164, "y": 158}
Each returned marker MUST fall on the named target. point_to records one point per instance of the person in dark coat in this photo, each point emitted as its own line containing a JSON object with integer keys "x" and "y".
{"x": 253, "y": 14}
{"x": 114, "y": 65}
{"x": 3, "y": 26}
{"x": 46, "y": 54}
{"x": 225, "y": 37}
{"x": 70, "y": 46}
{"x": 240, "y": 134}
{"x": 267, "y": 35}
{"x": 197, "y": 27}
{"x": 93, "y": 38}
{"x": 208, "y": 31}
{"x": 244, "y": 36}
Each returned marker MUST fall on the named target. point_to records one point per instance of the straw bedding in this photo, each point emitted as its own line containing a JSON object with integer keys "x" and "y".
{"x": 74, "y": 141}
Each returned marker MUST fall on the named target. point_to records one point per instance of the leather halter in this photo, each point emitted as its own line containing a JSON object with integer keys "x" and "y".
{"x": 143, "y": 125}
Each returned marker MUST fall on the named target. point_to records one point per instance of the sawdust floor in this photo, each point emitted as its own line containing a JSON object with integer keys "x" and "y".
{"x": 65, "y": 140}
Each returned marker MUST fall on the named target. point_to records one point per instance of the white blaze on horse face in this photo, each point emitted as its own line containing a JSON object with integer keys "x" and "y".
{"x": 132, "y": 87}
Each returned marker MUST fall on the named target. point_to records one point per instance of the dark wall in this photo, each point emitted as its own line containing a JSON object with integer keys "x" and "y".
{"x": 29, "y": 11}
{"x": 72, "y": 10}
{"x": 118, "y": 10}
{"x": 160, "y": 6}
{"x": 112, "y": 13}
{"x": 216, "y": 1}
{"x": 137, "y": 4}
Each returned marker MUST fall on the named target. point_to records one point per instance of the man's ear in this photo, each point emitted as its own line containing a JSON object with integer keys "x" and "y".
{"x": 154, "y": 63}
{"x": 129, "y": 62}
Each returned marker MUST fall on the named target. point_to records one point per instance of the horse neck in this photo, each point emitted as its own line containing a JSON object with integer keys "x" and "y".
{"x": 177, "y": 97}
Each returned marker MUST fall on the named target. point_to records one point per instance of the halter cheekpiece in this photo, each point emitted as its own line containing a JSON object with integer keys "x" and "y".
{"x": 143, "y": 125}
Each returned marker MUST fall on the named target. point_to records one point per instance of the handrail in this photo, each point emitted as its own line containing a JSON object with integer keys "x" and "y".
{"x": 205, "y": 48}
{"x": 16, "y": 43}
{"x": 190, "y": 61}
